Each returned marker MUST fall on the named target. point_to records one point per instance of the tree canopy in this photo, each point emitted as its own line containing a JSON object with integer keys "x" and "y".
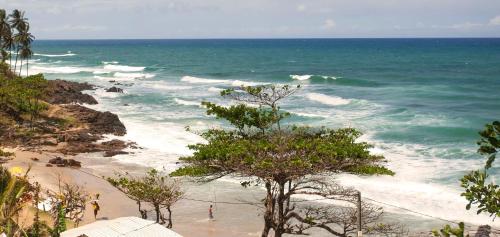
{"x": 153, "y": 188}
{"x": 287, "y": 160}
{"x": 478, "y": 191}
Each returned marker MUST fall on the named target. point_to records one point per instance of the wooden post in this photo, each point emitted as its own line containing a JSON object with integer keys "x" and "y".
{"x": 360, "y": 232}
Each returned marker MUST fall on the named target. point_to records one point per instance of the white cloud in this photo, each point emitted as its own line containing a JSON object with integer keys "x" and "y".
{"x": 329, "y": 24}
{"x": 301, "y": 8}
{"x": 495, "y": 21}
{"x": 74, "y": 28}
{"x": 465, "y": 26}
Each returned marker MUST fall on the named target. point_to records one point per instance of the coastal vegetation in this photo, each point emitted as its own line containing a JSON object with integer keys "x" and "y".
{"x": 15, "y": 38}
{"x": 15, "y": 194}
{"x": 160, "y": 191}
{"x": 478, "y": 191}
{"x": 287, "y": 160}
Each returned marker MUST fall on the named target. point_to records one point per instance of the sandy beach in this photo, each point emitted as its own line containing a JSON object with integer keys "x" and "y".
{"x": 190, "y": 217}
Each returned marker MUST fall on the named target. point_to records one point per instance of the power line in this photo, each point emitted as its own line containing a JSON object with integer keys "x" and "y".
{"x": 313, "y": 200}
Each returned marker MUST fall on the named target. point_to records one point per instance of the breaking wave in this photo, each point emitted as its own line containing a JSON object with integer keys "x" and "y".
{"x": 133, "y": 75}
{"x": 199, "y": 80}
{"x": 123, "y": 68}
{"x": 327, "y": 100}
{"x": 55, "y": 55}
{"x": 187, "y": 102}
{"x": 307, "y": 77}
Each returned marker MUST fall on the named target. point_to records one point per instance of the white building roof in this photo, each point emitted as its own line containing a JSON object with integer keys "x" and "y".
{"x": 123, "y": 226}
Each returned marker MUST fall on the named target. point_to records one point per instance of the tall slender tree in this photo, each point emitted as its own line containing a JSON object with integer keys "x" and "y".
{"x": 25, "y": 39}
{"x": 18, "y": 22}
{"x": 5, "y": 35}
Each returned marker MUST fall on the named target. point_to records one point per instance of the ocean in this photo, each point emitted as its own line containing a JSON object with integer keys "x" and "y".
{"x": 420, "y": 102}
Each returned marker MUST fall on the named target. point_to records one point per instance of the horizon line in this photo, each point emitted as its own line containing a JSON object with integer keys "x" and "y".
{"x": 279, "y": 38}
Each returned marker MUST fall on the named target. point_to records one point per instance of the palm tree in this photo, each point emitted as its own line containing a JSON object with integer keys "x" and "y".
{"x": 5, "y": 35}
{"x": 18, "y": 22}
{"x": 8, "y": 43}
{"x": 26, "y": 53}
{"x": 13, "y": 191}
{"x": 25, "y": 38}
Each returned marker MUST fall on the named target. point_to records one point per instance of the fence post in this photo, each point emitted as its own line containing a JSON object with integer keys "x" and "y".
{"x": 360, "y": 232}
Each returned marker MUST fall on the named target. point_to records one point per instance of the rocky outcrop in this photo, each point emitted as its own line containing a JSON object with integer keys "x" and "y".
{"x": 66, "y": 92}
{"x": 109, "y": 148}
{"x": 60, "y": 162}
{"x": 98, "y": 122}
{"x": 115, "y": 90}
{"x": 67, "y": 127}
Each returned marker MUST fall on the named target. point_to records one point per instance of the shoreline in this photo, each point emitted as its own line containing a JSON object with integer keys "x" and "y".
{"x": 188, "y": 212}
{"x": 114, "y": 204}
{"x": 231, "y": 217}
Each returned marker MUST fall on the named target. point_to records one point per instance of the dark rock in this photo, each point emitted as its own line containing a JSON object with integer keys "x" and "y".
{"x": 125, "y": 104}
{"x": 35, "y": 159}
{"x": 112, "y": 81}
{"x": 66, "y": 92}
{"x": 60, "y": 162}
{"x": 98, "y": 122}
{"x": 48, "y": 165}
{"x": 115, "y": 89}
{"x": 50, "y": 141}
{"x": 114, "y": 153}
{"x": 115, "y": 144}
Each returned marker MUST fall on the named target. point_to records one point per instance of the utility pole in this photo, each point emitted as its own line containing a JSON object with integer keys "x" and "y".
{"x": 360, "y": 232}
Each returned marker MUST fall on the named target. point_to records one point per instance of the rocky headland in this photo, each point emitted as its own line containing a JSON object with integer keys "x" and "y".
{"x": 66, "y": 126}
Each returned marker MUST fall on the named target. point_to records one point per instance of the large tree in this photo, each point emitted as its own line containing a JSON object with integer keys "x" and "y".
{"x": 286, "y": 160}
{"x": 153, "y": 188}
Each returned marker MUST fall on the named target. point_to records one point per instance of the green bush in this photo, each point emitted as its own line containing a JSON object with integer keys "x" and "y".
{"x": 20, "y": 96}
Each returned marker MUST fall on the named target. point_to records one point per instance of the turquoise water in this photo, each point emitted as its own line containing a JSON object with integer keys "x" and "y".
{"x": 421, "y": 102}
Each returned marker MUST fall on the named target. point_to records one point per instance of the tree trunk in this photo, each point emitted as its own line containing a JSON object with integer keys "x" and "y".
{"x": 15, "y": 64}
{"x": 157, "y": 210}
{"x": 144, "y": 214}
{"x": 268, "y": 213}
{"x": 20, "y": 67}
{"x": 27, "y": 64}
{"x": 10, "y": 57}
{"x": 169, "y": 217}
{"x": 280, "y": 227}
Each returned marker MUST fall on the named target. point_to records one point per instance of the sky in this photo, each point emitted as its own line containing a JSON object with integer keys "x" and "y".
{"x": 165, "y": 19}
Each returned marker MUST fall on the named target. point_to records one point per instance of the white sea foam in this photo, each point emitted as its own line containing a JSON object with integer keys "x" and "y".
{"x": 187, "y": 102}
{"x": 98, "y": 72}
{"x": 311, "y": 115}
{"x": 111, "y": 62}
{"x": 199, "y": 80}
{"x": 246, "y": 83}
{"x": 55, "y": 55}
{"x": 327, "y": 100}
{"x": 123, "y": 68}
{"x": 301, "y": 77}
{"x": 215, "y": 89}
{"x": 166, "y": 141}
{"x": 133, "y": 75}
{"x": 101, "y": 93}
{"x": 59, "y": 70}
{"x": 169, "y": 87}
{"x": 307, "y": 77}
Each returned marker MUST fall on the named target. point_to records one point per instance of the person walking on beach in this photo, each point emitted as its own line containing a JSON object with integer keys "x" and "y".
{"x": 210, "y": 213}
{"x": 95, "y": 206}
